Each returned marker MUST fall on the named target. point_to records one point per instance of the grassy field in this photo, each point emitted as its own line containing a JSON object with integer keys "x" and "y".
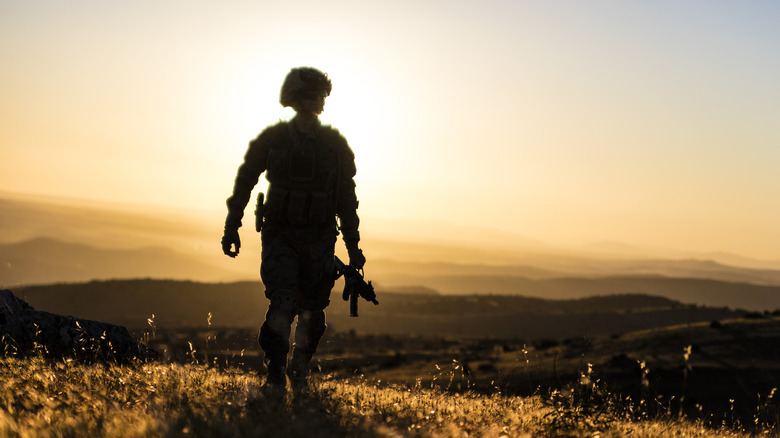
{"x": 715, "y": 374}
{"x": 718, "y": 371}
{"x": 44, "y": 398}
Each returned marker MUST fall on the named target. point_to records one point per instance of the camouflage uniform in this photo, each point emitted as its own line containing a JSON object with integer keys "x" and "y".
{"x": 310, "y": 184}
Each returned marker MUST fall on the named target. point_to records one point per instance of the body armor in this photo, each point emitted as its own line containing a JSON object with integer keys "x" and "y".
{"x": 311, "y": 180}
{"x": 303, "y": 179}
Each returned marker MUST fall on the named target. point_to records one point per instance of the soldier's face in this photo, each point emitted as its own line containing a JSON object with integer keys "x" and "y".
{"x": 313, "y": 102}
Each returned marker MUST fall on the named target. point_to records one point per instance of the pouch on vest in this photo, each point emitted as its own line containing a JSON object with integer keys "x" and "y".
{"x": 259, "y": 212}
{"x": 318, "y": 212}
{"x": 297, "y": 213}
{"x": 274, "y": 205}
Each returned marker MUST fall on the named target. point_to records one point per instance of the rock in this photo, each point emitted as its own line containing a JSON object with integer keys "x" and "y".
{"x": 24, "y": 331}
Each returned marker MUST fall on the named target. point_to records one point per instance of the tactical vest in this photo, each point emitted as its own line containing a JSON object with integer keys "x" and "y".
{"x": 302, "y": 178}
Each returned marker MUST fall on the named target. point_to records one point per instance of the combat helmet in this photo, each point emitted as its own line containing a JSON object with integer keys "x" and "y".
{"x": 301, "y": 80}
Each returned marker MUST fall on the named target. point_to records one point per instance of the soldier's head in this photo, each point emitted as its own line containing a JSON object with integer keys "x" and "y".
{"x": 305, "y": 89}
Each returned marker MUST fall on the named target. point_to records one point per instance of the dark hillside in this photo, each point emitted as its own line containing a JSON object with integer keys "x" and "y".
{"x": 188, "y": 304}
{"x": 687, "y": 290}
{"x": 173, "y": 303}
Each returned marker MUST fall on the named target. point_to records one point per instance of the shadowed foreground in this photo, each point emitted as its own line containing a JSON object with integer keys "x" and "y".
{"x": 24, "y": 330}
{"x": 66, "y": 398}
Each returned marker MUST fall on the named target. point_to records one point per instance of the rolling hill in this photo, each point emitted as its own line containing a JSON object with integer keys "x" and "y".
{"x": 177, "y": 304}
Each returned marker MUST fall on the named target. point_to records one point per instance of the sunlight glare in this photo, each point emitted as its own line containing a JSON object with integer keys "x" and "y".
{"x": 362, "y": 108}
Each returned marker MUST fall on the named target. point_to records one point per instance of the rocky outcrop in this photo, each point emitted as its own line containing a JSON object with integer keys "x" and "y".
{"x": 25, "y": 331}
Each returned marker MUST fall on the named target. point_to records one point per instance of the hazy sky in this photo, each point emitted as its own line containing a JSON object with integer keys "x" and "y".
{"x": 648, "y": 122}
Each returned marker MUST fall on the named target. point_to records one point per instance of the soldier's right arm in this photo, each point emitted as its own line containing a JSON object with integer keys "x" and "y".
{"x": 254, "y": 164}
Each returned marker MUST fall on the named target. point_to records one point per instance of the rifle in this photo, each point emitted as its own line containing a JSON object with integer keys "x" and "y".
{"x": 354, "y": 286}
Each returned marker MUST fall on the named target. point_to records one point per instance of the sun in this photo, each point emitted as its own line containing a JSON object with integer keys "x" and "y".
{"x": 363, "y": 110}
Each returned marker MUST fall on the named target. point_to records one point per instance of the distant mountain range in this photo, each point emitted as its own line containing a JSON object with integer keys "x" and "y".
{"x": 50, "y": 242}
{"x": 45, "y": 260}
{"x": 687, "y": 290}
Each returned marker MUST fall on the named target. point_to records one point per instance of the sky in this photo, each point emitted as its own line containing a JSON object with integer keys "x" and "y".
{"x": 648, "y": 123}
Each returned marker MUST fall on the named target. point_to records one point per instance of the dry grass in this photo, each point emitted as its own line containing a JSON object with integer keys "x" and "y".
{"x": 42, "y": 398}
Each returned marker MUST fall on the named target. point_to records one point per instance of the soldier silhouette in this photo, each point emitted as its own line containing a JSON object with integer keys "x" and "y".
{"x": 311, "y": 197}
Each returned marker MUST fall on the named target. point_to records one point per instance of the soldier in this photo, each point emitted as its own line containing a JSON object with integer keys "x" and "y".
{"x": 310, "y": 169}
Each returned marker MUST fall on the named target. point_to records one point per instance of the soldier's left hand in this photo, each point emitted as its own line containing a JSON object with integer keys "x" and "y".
{"x": 356, "y": 257}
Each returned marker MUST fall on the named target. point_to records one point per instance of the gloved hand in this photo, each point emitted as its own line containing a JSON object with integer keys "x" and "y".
{"x": 229, "y": 239}
{"x": 356, "y": 257}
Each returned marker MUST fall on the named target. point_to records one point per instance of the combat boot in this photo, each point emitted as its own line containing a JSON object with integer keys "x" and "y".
{"x": 274, "y": 339}
{"x": 309, "y": 330}
{"x": 298, "y": 371}
{"x": 275, "y": 380}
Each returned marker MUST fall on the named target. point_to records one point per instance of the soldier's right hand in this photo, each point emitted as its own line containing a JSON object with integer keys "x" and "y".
{"x": 229, "y": 239}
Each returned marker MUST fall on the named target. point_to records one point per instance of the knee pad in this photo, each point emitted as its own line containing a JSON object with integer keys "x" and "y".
{"x": 279, "y": 319}
{"x": 286, "y": 299}
{"x": 310, "y": 328}
{"x": 313, "y": 318}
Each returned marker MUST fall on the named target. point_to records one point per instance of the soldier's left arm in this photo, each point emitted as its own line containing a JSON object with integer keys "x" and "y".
{"x": 347, "y": 204}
